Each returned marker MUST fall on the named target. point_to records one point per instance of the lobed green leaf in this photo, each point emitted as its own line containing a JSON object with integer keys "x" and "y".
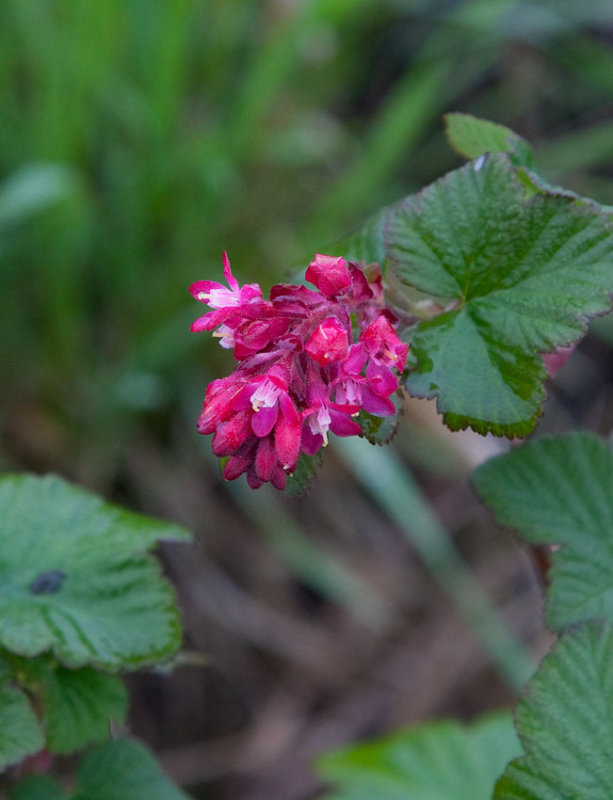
{"x": 78, "y": 706}
{"x": 76, "y": 578}
{"x": 124, "y": 769}
{"x": 565, "y": 723}
{"x": 299, "y": 482}
{"x": 472, "y": 137}
{"x": 559, "y": 490}
{"x": 437, "y": 761}
{"x": 519, "y": 276}
{"x": 20, "y": 732}
{"x": 381, "y": 430}
{"x": 120, "y": 770}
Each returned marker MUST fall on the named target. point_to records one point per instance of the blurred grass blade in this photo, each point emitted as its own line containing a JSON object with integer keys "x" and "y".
{"x": 438, "y": 73}
{"x": 274, "y": 62}
{"x": 32, "y": 189}
{"x": 318, "y": 568}
{"x": 384, "y": 476}
{"x": 400, "y": 123}
{"x": 579, "y": 150}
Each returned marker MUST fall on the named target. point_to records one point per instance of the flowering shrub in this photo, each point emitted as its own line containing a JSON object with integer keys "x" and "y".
{"x": 309, "y": 360}
{"x": 497, "y": 273}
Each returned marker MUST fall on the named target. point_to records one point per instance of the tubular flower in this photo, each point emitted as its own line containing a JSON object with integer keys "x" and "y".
{"x": 300, "y": 373}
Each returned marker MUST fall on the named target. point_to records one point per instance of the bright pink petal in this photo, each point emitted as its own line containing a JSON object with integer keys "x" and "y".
{"x": 217, "y": 403}
{"x": 256, "y": 335}
{"x": 329, "y": 274}
{"x": 345, "y": 408}
{"x": 381, "y": 379}
{"x": 289, "y": 412}
{"x": 343, "y": 425}
{"x": 206, "y": 322}
{"x": 362, "y": 292}
{"x": 264, "y": 420}
{"x": 250, "y": 293}
{"x": 375, "y": 404}
{"x": 294, "y": 299}
{"x": 227, "y": 272}
{"x": 253, "y": 480}
{"x": 235, "y": 466}
{"x": 287, "y": 443}
{"x": 329, "y": 342}
{"x": 201, "y": 289}
{"x": 383, "y": 345}
{"x": 230, "y": 435}
{"x": 241, "y": 399}
{"x": 311, "y": 442}
{"x": 279, "y": 479}
{"x": 356, "y": 358}
{"x": 265, "y": 459}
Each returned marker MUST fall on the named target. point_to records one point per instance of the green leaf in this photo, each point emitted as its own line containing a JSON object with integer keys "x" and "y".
{"x": 6, "y": 671}
{"x": 76, "y": 579}
{"x": 20, "y": 732}
{"x": 300, "y": 480}
{"x": 438, "y": 761}
{"x": 565, "y": 723}
{"x": 78, "y": 706}
{"x": 519, "y": 276}
{"x": 381, "y": 430}
{"x": 559, "y": 490}
{"x": 124, "y": 769}
{"x": 37, "y": 787}
{"x": 472, "y": 137}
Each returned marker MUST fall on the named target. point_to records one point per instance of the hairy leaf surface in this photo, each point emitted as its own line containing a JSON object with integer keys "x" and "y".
{"x": 565, "y": 723}
{"x": 20, "y": 732}
{"x": 78, "y": 706}
{"x": 124, "y": 769}
{"x": 76, "y": 578}
{"x": 438, "y": 761}
{"x": 519, "y": 275}
{"x": 559, "y": 490}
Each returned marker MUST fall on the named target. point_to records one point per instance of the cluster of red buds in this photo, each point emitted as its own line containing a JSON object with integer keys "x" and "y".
{"x": 308, "y": 362}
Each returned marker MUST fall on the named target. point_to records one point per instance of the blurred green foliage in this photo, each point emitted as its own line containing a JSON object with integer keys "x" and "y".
{"x": 139, "y": 140}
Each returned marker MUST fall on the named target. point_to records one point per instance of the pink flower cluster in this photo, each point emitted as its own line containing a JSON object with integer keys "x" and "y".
{"x": 300, "y": 373}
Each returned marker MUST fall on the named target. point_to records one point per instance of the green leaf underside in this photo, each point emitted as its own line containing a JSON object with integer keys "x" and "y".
{"x": 78, "y": 706}
{"x": 37, "y": 787}
{"x": 522, "y": 275}
{"x": 472, "y": 137}
{"x": 559, "y": 490}
{"x": 565, "y": 723}
{"x": 20, "y": 733}
{"x": 437, "y": 761}
{"x": 109, "y": 607}
{"x": 124, "y": 769}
